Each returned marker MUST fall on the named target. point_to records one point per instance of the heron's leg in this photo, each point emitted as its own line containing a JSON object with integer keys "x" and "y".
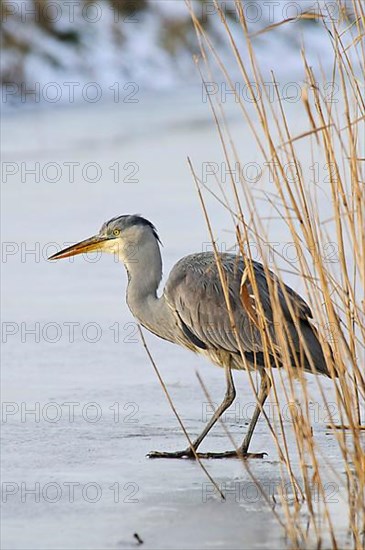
{"x": 228, "y": 399}
{"x": 227, "y": 402}
{"x": 264, "y": 391}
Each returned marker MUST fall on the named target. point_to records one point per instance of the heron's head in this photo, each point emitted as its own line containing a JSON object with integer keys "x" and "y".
{"x": 122, "y": 235}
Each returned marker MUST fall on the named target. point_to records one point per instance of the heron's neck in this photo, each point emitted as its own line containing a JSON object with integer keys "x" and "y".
{"x": 144, "y": 267}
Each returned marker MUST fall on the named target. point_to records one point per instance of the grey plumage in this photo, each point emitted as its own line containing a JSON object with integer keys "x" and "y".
{"x": 194, "y": 290}
{"x": 193, "y": 312}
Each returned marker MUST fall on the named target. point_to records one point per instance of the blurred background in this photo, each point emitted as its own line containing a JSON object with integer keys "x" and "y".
{"x": 144, "y": 41}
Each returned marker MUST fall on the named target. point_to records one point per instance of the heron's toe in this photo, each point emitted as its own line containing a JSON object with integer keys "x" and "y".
{"x": 186, "y": 453}
{"x": 232, "y": 454}
{"x": 254, "y": 455}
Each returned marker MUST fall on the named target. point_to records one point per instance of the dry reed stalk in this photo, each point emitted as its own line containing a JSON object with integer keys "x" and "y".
{"x": 336, "y": 294}
{"x": 173, "y": 408}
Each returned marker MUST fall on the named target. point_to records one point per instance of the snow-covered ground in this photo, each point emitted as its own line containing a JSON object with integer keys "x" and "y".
{"x": 74, "y": 470}
{"x": 70, "y": 51}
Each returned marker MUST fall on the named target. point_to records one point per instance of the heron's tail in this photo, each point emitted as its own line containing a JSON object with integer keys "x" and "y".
{"x": 314, "y": 348}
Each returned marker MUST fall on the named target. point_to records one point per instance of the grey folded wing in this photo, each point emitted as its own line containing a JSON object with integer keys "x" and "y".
{"x": 195, "y": 292}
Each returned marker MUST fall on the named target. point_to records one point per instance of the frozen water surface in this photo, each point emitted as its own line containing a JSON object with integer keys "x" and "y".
{"x": 85, "y": 455}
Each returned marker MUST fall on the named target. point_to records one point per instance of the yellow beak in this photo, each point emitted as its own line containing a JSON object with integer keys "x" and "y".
{"x": 88, "y": 245}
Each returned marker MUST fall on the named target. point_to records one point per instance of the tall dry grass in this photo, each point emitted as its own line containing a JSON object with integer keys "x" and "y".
{"x": 333, "y": 133}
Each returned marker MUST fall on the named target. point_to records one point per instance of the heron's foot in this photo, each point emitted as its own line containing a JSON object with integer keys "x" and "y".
{"x": 186, "y": 453}
{"x": 232, "y": 454}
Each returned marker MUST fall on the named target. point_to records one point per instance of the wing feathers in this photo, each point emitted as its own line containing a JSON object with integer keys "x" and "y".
{"x": 195, "y": 292}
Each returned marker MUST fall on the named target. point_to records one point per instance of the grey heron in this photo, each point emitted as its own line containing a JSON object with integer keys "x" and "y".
{"x": 192, "y": 311}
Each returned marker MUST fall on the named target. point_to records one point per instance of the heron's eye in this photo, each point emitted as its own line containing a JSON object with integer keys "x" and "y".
{"x": 116, "y": 232}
